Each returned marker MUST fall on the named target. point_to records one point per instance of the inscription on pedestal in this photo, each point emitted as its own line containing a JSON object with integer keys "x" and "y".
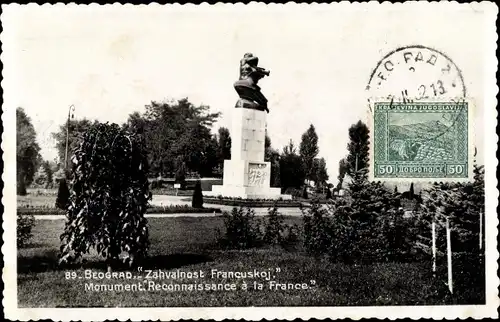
{"x": 257, "y": 174}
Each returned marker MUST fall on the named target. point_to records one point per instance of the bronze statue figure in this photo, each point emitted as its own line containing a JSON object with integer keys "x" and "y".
{"x": 246, "y": 86}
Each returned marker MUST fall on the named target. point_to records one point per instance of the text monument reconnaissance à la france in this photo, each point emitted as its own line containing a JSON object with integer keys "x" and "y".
{"x": 247, "y": 175}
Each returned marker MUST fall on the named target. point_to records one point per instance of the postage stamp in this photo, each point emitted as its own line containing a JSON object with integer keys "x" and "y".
{"x": 422, "y": 140}
{"x": 260, "y": 161}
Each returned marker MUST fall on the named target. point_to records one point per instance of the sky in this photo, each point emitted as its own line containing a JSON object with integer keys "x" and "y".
{"x": 110, "y": 61}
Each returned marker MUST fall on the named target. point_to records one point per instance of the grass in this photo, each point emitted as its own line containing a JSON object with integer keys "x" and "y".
{"x": 36, "y": 201}
{"x": 188, "y": 244}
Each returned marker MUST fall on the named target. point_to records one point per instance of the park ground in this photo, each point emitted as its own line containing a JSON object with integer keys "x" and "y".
{"x": 189, "y": 244}
{"x": 48, "y": 200}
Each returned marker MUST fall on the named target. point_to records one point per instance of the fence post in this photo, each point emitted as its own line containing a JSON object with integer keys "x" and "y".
{"x": 448, "y": 248}
{"x": 433, "y": 247}
{"x": 480, "y": 230}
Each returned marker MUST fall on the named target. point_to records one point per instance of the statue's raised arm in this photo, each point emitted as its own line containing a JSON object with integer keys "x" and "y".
{"x": 246, "y": 86}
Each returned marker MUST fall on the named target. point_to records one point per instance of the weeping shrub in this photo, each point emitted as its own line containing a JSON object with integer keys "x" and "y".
{"x": 109, "y": 197}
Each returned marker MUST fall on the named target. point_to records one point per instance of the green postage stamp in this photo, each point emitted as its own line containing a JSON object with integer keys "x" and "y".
{"x": 422, "y": 141}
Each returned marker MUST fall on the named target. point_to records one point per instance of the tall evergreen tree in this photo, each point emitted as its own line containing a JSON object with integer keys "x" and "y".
{"x": 309, "y": 150}
{"x": 320, "y": 173}
{"x": 343, "y": 165}
{"x": 358, "y": 148}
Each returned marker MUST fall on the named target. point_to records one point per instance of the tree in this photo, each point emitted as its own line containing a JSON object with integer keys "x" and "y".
{"x": 197, "y": 201}
{"x": 48, "y": 168}
{"x": 209, "y": 160}
{"x": 77, "y": 129}
{"x": 358, "y": 148}
{"x": 180, "y": 172}
{"x": 27, "y": 151}
{"x": 44, "y": 175}
{"x": 224, "y": 152}
{"x": 273, "y": 156}
{"x": 292, "y": 173}
{"x": 320, "y": 173}
{"x": 177, "y": 128}
{"x": 377, "y": 214}
{"x": 63, "y": 195}
{"x": 40, "y": 178}
{"x": 267, "y": 148}
{"x": 463, "y": 204}
{"x": 411, "y": 191}
{"x": 109, "y": 197}
{"x": 343, "y": 166}
{"x": 309, "y": 150}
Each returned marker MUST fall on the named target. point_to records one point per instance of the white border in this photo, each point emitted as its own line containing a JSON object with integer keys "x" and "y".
{"x": 256, "y": 313}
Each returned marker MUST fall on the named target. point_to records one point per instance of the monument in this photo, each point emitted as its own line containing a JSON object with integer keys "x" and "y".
{"x": 247, "y": 175}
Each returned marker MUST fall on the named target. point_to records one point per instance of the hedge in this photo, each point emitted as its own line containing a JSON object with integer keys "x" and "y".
{"x": 176, "y": 209}
{"x": 256, "y": 203}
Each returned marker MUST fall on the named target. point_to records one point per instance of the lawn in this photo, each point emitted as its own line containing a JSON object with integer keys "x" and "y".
{"x": 36, "y": 201}
{"x": 187, "y": 244}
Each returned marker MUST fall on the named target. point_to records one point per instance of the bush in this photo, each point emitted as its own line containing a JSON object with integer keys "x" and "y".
{"x": 242, "y": 229}
{"x": 274, "y": 227}
{"x": 294, "y": 192}
{"x": 197, "y": 196}
{"x": 369, "y": 227}
{"x": 328, "y": 193}
{"x": 276, "y": 232}
{"x": 304, "y": 193}
{"x": 177, "y": 209}
{"x": 25, "y": 223}
{"x": 319, "y": 235}
{"x": 109, "y": 198}
{"x": 62, "y": 195}
{"x": 156, "y": 184}
{"x": 291, "y": 235}
{"x": 171, "y": 209}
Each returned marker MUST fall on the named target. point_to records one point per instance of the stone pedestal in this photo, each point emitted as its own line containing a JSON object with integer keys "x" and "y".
{"x": 246, "y": 175}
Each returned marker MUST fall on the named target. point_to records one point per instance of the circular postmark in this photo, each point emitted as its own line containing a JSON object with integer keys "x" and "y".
{"x": 416, "y": 73}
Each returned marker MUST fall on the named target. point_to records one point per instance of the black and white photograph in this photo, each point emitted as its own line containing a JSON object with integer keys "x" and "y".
{"x": 249, "y": 161}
